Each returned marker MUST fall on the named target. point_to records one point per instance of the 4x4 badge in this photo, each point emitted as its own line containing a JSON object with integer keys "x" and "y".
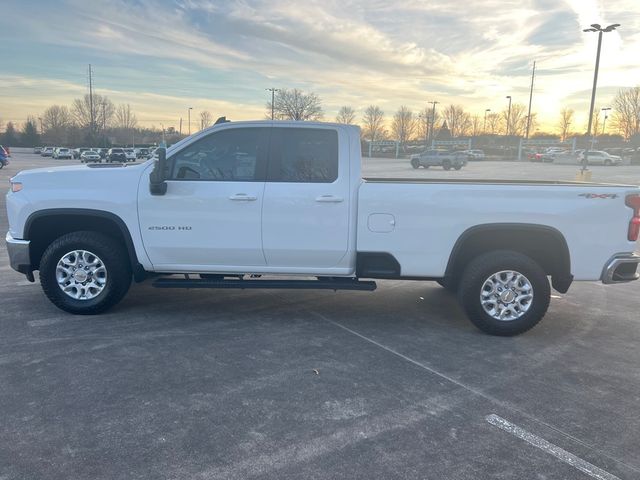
{"x": 598, "y": 195}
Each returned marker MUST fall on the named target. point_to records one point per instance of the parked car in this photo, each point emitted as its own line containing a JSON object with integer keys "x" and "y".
{"x": 62, "y": 152}
{"x": 598, "y": 157}
{"x": 474, "y": 154}
{"x": 90, "y": 156}
{"x": 4, "y": 157}
{"x": 540, "y": 157}
{"x": 47, "y": 152}
{"x": 130, "y": 154}
{"x": 77, "y": 152}
{"x": 116, "y": 155}
{"x": 142, "y": 153}
{"x": 6, "y": 149}
{"x": 439, "y": 158}
{"x": 103, "y": 152}
{"x": 213, "y": 206}
{"x": 37, "y": 150}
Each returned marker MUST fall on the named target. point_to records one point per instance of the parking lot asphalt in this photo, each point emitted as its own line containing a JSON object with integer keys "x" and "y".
{"x": 318, "y": 385}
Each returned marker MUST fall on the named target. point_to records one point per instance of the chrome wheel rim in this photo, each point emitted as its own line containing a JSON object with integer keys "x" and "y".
{"x": 506, "y": 295}
{"x": 81, "y": 275}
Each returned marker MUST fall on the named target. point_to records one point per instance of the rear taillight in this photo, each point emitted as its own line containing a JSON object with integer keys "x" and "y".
{"x": 633, "y": 201}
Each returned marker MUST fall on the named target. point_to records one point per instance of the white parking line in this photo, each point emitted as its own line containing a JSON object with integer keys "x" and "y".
{"x": 550, "y": 448}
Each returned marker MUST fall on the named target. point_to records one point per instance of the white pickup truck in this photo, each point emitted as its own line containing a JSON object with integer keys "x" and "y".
{"x": 240, "y": 203}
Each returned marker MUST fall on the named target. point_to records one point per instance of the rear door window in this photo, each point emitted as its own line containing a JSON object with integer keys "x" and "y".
{"x": 303, "y": 155}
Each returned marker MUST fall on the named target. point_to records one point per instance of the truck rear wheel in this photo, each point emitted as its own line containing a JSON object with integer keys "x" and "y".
{"x": 504, "y": 293}
{"x": 85, "y": 273}
{"x": 415, "y": 163}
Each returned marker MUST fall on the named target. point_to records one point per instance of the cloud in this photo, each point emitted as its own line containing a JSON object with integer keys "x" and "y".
{"x": 165, "y": 55}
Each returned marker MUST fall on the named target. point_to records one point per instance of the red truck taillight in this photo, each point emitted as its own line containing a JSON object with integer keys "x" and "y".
{"x": 633, "y": 201}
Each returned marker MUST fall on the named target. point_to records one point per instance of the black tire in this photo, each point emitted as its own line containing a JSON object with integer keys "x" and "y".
{"x": 415, "y": 163}
{"x": 1, "y": 165}
{"x": 457, "y": 167}
{"x": 114, "y": 258}
{"x": 607, "y": 163}
{"x": 446, "y": 165}
{"x": 488, "y": 264}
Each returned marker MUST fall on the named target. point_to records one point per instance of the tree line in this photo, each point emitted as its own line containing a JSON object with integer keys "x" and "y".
{"x": 96, "y": 120}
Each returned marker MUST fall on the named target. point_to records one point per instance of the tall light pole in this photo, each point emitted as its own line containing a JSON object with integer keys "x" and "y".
{"x": 273, "y": 98}
{"x": 533, "y": 76}
{"x": 164, "y": 143}
{"x": 484, "y": 123}
{"x": 606, "y": 115}
{"x": 41, "y": 129}
{"x": 595, "y": 27}
{"x": 189, "y": 119}
{"x": 508, "y": 114}
{"x": 433, "y": 120}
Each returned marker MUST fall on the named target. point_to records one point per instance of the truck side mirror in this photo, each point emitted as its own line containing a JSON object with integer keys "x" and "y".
{"x": 158, "y": 176}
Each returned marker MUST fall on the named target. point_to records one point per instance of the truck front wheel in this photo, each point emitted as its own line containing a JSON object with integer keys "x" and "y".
{"x": 504, "y": 293}
{"x": 446, "y": 165}
{"x": 415, "y": 163}
{"x": 85, "y": 273}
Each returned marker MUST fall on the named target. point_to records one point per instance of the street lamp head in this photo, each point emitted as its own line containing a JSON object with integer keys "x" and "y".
{"x": 596, "y": 26}
{"x": 488, "y": 110}
{"x": 589, "y": 30}
{"x": 508, "y": 96}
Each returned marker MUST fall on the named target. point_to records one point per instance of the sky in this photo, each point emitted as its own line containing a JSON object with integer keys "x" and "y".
{"x": 163, "y": 56}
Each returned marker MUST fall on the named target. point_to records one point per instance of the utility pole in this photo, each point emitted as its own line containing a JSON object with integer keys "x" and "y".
{"x": 180, "y": 129}
{"x": 433, "y": 120}
{"x": 273, "y": 98}
{"x": 189, "y": 112}
{"x": 91, "y": 101}
{"x": 104, "y": 123}
{"x": 41, "y": 129}
{"x": 508, "y": 114}
{"x": 533, "y": 76}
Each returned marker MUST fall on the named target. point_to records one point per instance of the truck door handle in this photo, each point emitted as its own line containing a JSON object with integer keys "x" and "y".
{"x": 243, "y": 197}
{"x": 329, "y": 199}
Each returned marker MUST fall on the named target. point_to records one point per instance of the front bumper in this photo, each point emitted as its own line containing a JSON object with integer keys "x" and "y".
{"x": 19, "y": 256}
{"x": 621, "y": 268}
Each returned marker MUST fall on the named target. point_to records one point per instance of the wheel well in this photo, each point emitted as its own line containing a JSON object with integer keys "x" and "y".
{"x": 545, "y": 245}
{"x": 44, "y": 227}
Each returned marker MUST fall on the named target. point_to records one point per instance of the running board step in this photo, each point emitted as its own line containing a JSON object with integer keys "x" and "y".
{"x": 346, "y": 284}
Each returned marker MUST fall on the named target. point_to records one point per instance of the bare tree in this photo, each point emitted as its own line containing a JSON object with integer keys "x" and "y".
{"x": 626, "y": 112}
{"x": 346, "y": 115}
{"x": 56, "y": 118}
{"x": 296, "y": 105}
{"x": 493, "y": 123}
{"x": 100, "y": 111}
{"x": 425, "y": 120}
{"x": 517, "y": 119}
{"x": 565, "y": 122}
{"x": 373, "y": 123}
{"x": 458, "y": 121}
{"x": 205, "y": 119}
{"x": 476, "y": 126}
{"x": 125, "y": 118}
{"x": 403, "y": 125}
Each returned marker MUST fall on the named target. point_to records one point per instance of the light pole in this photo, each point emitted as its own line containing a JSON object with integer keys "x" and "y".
{"x": 41, "y": 129}
{"x": 606, "y": 115}
{"x": 508, "y": 114}
{"x": 484, "y": 123}
{"x": 189, "y": 118}
{"x": 433, "y": 120}
{"x": 595, "y": 27}
{"x": 273, "y": 98}
{"x": 164, "y": 143}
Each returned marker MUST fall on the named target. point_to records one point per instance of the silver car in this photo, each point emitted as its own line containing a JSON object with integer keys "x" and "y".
{"x": 598, "y": 157}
